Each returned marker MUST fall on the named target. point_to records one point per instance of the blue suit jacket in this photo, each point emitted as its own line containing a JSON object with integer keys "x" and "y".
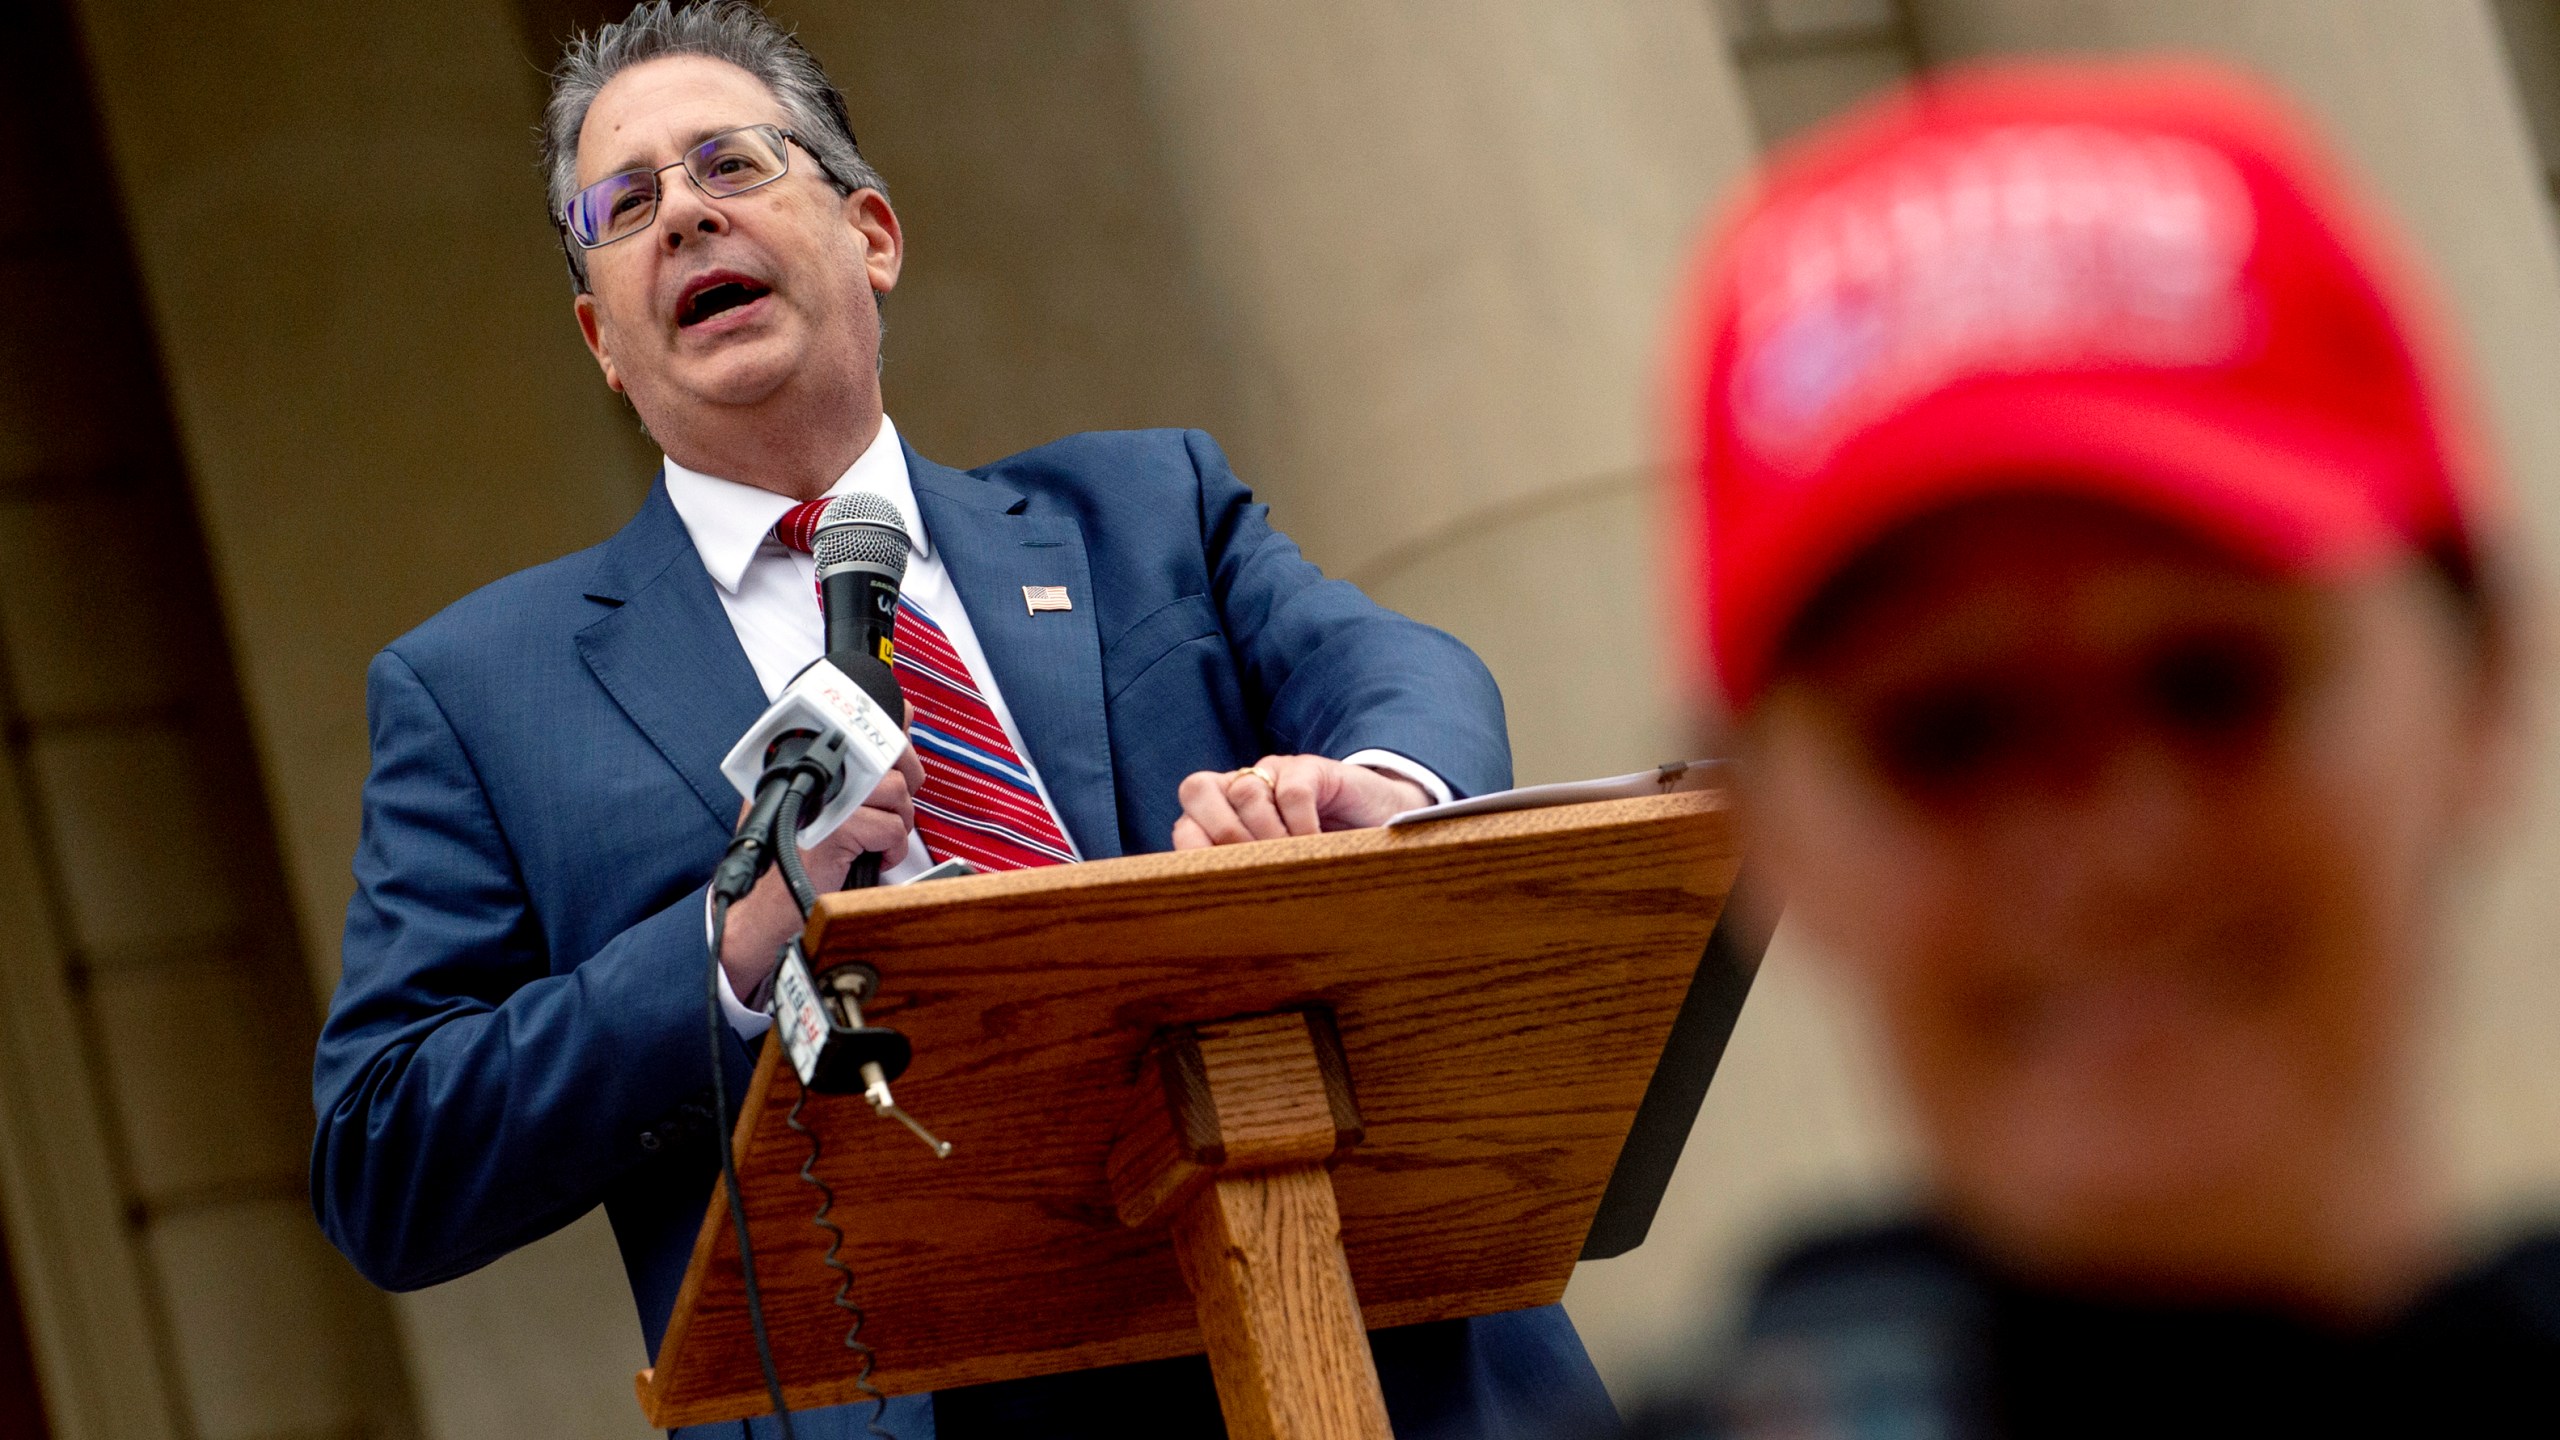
{"x": 519, "y": 1032}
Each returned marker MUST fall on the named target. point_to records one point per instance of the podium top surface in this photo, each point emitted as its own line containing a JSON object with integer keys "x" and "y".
{"x": 1503, "y": 985}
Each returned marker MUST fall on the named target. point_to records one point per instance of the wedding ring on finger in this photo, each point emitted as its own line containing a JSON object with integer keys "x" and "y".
{"x": 1258, "y": 773}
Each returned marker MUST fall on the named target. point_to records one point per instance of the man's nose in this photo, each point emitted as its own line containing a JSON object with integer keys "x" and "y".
{"x": 685, "y": 213}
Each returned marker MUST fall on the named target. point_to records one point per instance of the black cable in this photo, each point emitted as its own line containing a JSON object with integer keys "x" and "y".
{"x": 795, "y": 874}
{"x": 729, "y": 1162}
{"x": 786, "y": 848}
{"x": 833, "y": 1261}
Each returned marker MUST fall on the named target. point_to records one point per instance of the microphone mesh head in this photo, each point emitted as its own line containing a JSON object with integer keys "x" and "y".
{"x": 861, "y": 529}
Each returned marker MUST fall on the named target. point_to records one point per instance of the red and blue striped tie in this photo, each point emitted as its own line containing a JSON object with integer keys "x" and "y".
{"x": 978, "y": 802}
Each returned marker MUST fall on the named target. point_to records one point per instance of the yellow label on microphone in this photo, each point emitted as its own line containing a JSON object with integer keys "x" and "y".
{"x": 888, "y": 653}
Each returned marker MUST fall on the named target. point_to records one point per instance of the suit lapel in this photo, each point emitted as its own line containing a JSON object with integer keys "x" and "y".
{"x": 1048, "y": 665}
{"x": 666, "y": 652}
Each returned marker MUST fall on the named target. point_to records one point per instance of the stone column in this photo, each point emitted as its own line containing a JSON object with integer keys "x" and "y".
{"x": 1443, "y": 240}
{"x": 367, "y": 341}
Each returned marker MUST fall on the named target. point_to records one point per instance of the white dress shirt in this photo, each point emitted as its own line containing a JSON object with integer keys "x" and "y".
{"x": 770, "y": 593}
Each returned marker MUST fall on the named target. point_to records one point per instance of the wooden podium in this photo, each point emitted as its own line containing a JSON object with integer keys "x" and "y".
{"x": 1252, "y": 1100}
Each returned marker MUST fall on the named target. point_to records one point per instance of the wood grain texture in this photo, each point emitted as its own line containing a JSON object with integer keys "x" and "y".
{"x": 1238, "y": 1134}
{"x": 1154, "y": 1166}
{"x": 1262, "y": 1251}
{"x": 1502, "y": 985}
{"x": 1253, "y": 1091}
{"x": 1266, "y": 1091}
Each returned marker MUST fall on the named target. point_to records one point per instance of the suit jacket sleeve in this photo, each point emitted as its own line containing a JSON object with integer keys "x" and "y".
{"x": 1331, "y": 671}
{"x": 470, "y": 1100}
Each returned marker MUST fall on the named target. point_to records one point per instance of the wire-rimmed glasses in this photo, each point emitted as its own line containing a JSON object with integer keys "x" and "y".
{"x": 732, "y": 162}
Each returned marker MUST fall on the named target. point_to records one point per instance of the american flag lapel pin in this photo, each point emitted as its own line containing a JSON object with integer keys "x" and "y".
{"x": 1036, "y": 598}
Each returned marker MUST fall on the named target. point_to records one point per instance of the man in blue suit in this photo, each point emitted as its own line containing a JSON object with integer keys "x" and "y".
{"x": 518, "y": 1035}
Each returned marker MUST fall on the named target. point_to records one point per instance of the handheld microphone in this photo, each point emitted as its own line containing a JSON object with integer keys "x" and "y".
{"x": 824, "y": 736}
{"x": 800, "y": 762}
{"x": 861, "y": 547}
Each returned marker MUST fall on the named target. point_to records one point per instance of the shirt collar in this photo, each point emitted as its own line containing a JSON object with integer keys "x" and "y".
{"x": 730, "y": 522}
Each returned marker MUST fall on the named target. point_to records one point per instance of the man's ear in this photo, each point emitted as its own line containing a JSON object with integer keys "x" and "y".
{"x": 591, "y": 330}
{"x": 885, "y": 246}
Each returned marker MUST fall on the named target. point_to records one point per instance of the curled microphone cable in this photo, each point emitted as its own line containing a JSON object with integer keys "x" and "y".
{"x": 824, "y": 1220}
{"x": 795, "y": 874}
{"x": 729, "y": 1162}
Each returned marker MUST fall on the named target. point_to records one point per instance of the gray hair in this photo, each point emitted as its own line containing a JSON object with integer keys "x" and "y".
{"x": 730, "y": 30}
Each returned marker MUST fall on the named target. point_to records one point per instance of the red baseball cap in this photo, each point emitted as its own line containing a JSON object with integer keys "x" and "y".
{"x": 2139, "y": 283}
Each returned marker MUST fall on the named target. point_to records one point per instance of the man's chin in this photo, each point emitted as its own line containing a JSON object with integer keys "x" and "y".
{"x": 735, "y": 371}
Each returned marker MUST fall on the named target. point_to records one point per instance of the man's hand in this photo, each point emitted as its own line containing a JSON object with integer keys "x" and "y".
{"x": 760, "y": 924}
{"x": 1287, "y": 795}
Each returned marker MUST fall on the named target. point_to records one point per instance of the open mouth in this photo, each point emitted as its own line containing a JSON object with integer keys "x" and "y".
{"x": 725, "y": 294}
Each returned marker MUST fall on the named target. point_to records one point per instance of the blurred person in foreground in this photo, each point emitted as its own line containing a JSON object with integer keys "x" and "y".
{"x": 2109, "y": 610}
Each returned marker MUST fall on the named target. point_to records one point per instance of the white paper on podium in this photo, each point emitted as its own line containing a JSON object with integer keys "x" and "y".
{"x": 1666, "y": 779}
{"x": 820, "y": 698}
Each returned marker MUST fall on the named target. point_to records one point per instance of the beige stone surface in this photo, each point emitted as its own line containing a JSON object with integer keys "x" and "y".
{"x": 49, "y": 428}
{"x": 1558, "y": 595}
{"x": 382, "y": 404}
{"x": 1442, "y": 238}
{"x": 1813, "y": 17}
{"x": 544, "y": 1342}
{"x": 1798, "y": 1130}
{"x": 1803, "y": 61}
{"x": 61, "y": 611}
{"x": 84, "y": 1292}
{"x": 209, "y": 1102}
{"x": 1049, "y": 286}
{"x": 380, "y": 396}
{"x": 1791, "y": 93}
{"x": 126, "y": 801}
{"x": 2531, "y": 29}
{"x": 261, "y": 1314}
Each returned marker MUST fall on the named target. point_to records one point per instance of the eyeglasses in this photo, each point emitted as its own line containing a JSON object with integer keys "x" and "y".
{"x": 732, "y": 162}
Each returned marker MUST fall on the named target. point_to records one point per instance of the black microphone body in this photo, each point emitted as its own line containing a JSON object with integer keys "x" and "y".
{"x": 811, "y": 766}
{"x": 861, "y": 546}
{"x": 856, "y": 644}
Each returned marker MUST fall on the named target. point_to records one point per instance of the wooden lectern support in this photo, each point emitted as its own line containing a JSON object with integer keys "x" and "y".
{"x": 1235, "y": 1150}
{"x": 1256, "y": 1101}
